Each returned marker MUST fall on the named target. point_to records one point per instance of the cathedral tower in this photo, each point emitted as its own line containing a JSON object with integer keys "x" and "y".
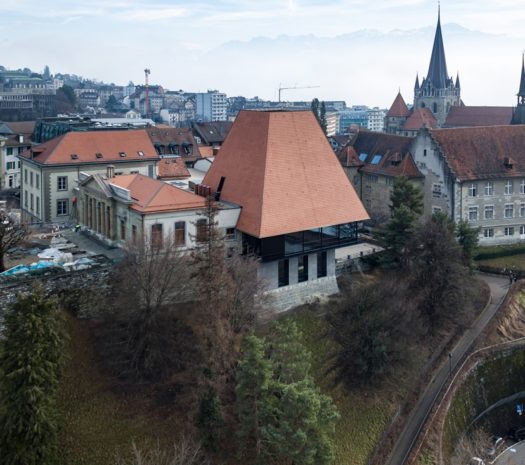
{"x": 518, "y": 116}
{"x": 437, "y": 91}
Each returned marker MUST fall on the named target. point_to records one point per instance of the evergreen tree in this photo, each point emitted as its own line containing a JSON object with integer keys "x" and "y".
{"x": 291, "y": 359}
{"x": 468, "y": 239}
{"x": 292, "y": 422}
{"x": 316, "y": 109}
{"x": 31, "y": 361}
{"x": 252, "y": 393}
{"x": 322, "y": 117}
{"x": 406, "y": 208}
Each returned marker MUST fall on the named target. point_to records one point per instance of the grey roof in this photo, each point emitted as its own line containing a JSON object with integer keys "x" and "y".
{"x": 437, "y": 71}
{"x": 4, "y": 129}
{"x": 416, "y": 85}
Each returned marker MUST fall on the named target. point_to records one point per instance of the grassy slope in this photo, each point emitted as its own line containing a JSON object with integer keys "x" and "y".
{"x": 364, "y": 414}
{"x": 98, "y": 419}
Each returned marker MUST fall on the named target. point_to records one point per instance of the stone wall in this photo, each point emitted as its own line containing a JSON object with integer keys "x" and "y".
{"x": 81, "y": 291}
{"x": 284, "y": 298}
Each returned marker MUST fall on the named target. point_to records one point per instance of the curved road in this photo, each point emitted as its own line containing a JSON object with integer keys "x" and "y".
{"x": 514, "y": 455}
{"x": 498, "y": 290}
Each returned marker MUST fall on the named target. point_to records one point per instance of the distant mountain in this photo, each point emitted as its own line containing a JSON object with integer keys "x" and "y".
{"x": 366, "y": 66}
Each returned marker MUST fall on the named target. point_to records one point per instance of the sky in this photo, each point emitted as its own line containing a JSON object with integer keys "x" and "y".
{"x": 360, "y": 51}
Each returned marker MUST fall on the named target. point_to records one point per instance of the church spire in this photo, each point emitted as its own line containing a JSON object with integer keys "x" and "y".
{"x": 416, "y": 85}
{"x": 437, "y": 71}
{"x": 457, "y": 81}
{"x": 521, "y": 92}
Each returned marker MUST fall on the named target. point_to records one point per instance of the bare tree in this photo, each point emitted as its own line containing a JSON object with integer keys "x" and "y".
{"x": 183, "y": 453}
{"x": 473, "y": 445}
{"x": 149, "y": 287}
{"x": 12, "y": 233}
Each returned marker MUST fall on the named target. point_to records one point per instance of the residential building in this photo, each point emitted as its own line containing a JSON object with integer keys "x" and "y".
{"x": 50, "y": 171}
{"x": 211, "y": 106}
{"x": 15, "y": 138}
{"x": 211, "y": 134}
{"x": 476, "y": 174}
{"x": 376, "y": 119}
{"x": 297, "y": 205}
{"x": 175, "y": 142}
{"x": 134, "y": 207}
{"x": 372, "y": 161}
{"x": 332, "y": 123}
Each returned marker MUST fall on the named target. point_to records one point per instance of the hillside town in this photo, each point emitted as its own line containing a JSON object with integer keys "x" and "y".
{"x": 196, "y": 278}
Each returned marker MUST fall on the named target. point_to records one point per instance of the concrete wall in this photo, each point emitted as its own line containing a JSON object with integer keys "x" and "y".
{"x": 296, "y": 293}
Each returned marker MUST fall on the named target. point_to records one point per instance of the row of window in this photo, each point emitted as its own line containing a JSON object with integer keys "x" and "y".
{"x": 489, "y": 212}
{"x": 488, "y": 188}
{"x": 157, "y": 234}
{"x": 32, "y": 176}
{"x": 29, "y": 202}
{"x": 12, "y": 165}
{"x": 13, "y": 151}
{"x": 508, "y": 231}
{"x": 302, "y": 269}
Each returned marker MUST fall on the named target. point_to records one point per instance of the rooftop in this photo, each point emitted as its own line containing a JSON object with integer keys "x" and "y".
{"x": 281, "y": 169}
{"x": 94, "y": 147}
{"x": 478, "y": 116}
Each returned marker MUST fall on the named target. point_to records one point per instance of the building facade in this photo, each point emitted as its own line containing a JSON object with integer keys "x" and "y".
{"x": 275, "y": 166}
{"x": 211, "y": 106}
{"x": 50, "y": 172}
{"x": 476, "y": 174}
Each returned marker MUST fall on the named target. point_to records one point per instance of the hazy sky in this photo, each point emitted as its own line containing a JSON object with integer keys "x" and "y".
{"x": 181, "y": 41}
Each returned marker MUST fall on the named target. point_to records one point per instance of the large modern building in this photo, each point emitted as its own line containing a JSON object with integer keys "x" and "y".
{"x": 297, "y": 205}
{"x": 211, "y": 106}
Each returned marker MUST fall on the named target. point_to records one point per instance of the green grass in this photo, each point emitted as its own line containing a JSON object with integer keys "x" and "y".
{"x": 516, "y": 262}
{"x": 365, "y": 413}
{"x": 98, "y": 419}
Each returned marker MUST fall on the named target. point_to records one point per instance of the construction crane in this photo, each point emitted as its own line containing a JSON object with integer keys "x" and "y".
{"x": 147, "y": 72}
{"x": 294, "y": 87}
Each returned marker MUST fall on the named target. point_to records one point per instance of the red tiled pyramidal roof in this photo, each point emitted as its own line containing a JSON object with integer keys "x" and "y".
{"x": 150, "y": 195}
{"x": 281, "y": 169}
{"x": 399, "y": 107}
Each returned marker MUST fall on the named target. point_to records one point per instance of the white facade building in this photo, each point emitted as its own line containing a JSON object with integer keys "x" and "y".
{"x": 211, "y": 106}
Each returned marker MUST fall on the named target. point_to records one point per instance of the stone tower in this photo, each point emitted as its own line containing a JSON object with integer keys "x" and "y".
{"x": 518, "y": 116}
{"x": 437, "y": 91}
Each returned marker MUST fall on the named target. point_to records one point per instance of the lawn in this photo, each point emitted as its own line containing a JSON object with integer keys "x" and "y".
{"x": 502, "y": 256}
{"x": 515, "y": 262}
{"x": 99, "y": 420}
{"x": 364, "y": 413}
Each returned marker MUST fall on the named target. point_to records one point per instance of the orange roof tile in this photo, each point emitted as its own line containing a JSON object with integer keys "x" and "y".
{"x": 85, "y": 146}
{"x": 280, "y": 168}
{"x": 173, "y": 168}
{"x": 150, "y": 195}
{"x": 420, "y": 118}
{"x": 399, "y": 107}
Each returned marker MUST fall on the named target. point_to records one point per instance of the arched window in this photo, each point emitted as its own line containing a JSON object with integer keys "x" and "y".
{"x": 435, "y": 107}
{"x": 422, "y": 104}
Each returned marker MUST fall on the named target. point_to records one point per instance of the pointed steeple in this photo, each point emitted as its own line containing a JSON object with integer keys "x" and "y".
{"x": 416, "y": 85}
{"x": 437, "y": 71}
{"x": 521, "y": 92}
{"x": 457, "y": 81}
{"x": 399, "y": 107}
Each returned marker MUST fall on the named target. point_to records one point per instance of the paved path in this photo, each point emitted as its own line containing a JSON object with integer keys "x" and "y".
{"x": 514, "y": 455}
{"x": 498, "y": 289}
{"x": 84, "y": 242}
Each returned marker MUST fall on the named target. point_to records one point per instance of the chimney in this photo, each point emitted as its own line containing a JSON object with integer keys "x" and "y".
{"x": 110, "y": 172}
